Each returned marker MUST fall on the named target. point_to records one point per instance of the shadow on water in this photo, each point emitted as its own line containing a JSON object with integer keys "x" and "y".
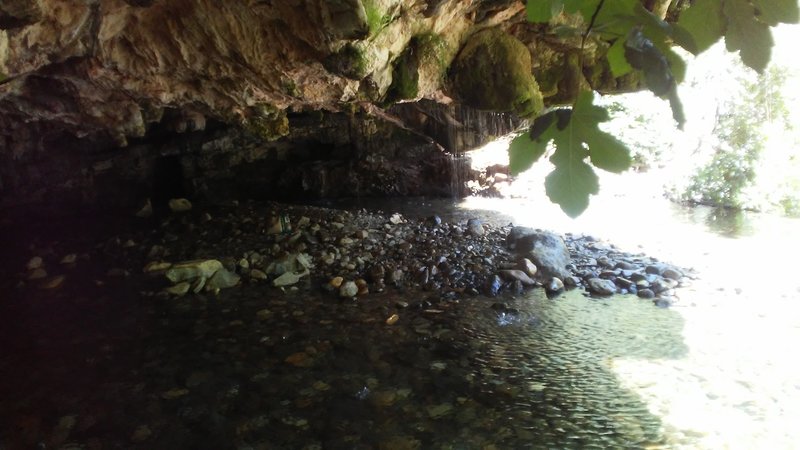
{"x": 254, "y": 367}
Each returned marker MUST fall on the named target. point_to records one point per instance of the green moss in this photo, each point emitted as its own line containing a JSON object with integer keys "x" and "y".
{"x": 493, "y": 72}
{"x": 376, "y": 19}
{"x": 267, "y": 122}
{"x": 350, "y": 62}
{"x": 425, "y": 52}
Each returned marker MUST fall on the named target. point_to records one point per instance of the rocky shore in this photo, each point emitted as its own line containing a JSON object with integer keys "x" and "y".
{"x": 359, "y": 254}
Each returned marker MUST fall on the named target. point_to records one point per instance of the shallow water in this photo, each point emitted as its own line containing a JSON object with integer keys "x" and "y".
{"x": 99, "y": 366}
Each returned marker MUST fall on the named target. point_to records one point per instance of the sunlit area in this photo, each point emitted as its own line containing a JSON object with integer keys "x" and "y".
{"x": 737, "y": 386}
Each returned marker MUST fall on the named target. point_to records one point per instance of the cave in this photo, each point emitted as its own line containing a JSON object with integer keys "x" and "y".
{"x": 231, "y": 225}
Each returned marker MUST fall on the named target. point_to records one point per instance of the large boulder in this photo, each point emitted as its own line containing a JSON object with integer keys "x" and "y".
{"x": 547, "y": 250}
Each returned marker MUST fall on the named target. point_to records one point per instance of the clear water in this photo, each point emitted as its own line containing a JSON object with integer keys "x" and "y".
{"x": 98, "y": 366}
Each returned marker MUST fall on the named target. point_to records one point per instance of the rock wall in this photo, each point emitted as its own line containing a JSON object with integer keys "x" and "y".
{"x": 86, "y": 81}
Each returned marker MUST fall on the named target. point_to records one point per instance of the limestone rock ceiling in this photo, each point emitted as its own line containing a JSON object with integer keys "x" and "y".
{"x": 104, "y": 70}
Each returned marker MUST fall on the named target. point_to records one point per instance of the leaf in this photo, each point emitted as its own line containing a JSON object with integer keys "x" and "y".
{"x": 704, "y": 22}
{"x": 774, "y": 12}
{"x": 573, "y": 180}
{"x": 744, "y": 33}
{"x": 616, "y": 59}
{"x": 570, "y": 185}
{"x": 541, "y": 11}
{"x": 642, "y": 54}
{"x": 523, "y": 152}
{"x": 608, "y": 153}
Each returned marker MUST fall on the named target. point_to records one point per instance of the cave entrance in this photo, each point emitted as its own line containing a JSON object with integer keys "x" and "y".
{"x": 168, "y": 180}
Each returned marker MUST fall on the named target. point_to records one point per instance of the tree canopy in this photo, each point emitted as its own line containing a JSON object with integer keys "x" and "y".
{"x": 639, "y": 41}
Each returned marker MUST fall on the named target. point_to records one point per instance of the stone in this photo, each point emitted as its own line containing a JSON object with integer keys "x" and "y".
{"x": 396, "y": 219}
{"x": 438, "y": 411}
{"x": 288, "y": 279}
{"x": 179, "y": 289}
{"x": 348, "y": 289}
{"x": 475, "y": 227}
{"x": 256, "y": 274}
{"x": 518, "y": 275}
{"x": 392, "y": 319}
{"x": 173, "y": 394}
{"x": 300, "y": 359}
{"x": 54, "y": 282}
{"x": 222, "y": 279}
{"x": 141, "y": 434}
{"x": 263, "y": 314}
{"x": 336, "y": 282}
{"x": 188, "y": 270}
{"x": 493, "y": 285}
{"x": 554, "y": 285}
{"x": 146, "y": 211}
{"x": 69, "y": 259}
{"x": 601, "y": 286}
{"x": 35, "y": 263}
{"x": 179, "y": 205}
{"x": 672, "y": 274}
{"x": 37, "y": 274}
{"x": 527, "y": 266}
{"x": 646, "y": 294}
{"x": 547, "y": 250}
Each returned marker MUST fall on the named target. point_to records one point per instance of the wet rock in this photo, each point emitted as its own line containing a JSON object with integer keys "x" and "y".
{"x": 173, "y": 394}
{"x": 493, "y": 285}
{"x": 547, "y": 250}
{"x": 438, "y": 411}
{"x": 572, "y": 281}
{"x": 348, "y": 289}
{"x": 646, "y": 294}
{"x": 146, "y": 211}
{"x": 188, "y": 270}
{"x": 517, "y": 275}
{"x": 527, "y": 266}
{"x": 660, "y": 285}
{"x": 222, "y": 279}
{"x": 601, "y": 286}
{"x": 53, "y": 282}
{"x": 654, "y": 269}
{"x": 392, "y": 319}
{"x": 554, "y": 285}
{"x": 336, "y": 282}
{"x": 625, "y": 265}
{"x": 475, "y": 227}
{"x": 288, "y": 279}
{"x": 434, "y": 221}
{"x": 179, "y": 205}
{"x": 396, "y": 219}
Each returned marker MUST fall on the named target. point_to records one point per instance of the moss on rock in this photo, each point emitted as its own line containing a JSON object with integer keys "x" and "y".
{"x": 267, "y": 122}
{"x": 350, "y": 61}
{"x": 493, "y": 72}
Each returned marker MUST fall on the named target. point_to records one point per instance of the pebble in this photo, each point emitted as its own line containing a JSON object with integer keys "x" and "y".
{"x": 475, "y": 227}
{"x": 392, "y": 319}
{"x": 646, "y": 293}
{"x": 69, "y": 259}
{"x": 34, "y": 263}
{"x": 257, "y": 274}
{"x": 527, "y": 266}
{"x": 348, "y": 289}
{"x": 517, "y": 275}
{"x": 336, "y": 282}
{"x": 37, "y": 274}
{"x": 173, "y": 394}
{"x": 288, "y": 279}
{"x": 555, "y": 285}
{"x": 54, "y": 282}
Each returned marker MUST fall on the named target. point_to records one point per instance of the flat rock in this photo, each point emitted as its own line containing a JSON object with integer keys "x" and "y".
{"x": 179, "y": 205}
{"x": 188, "y": 270}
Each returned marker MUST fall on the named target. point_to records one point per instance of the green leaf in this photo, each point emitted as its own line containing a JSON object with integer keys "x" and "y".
{"x": 541, "y": 11}
{"x": 609, "y": 154}
{"x": 523, "y": 152}
{"x": 616, "y": 59}
{"x": 744, "y": 33}
{"x": 774, "y": 12}
{"x": 570, "y": 185}
{"x": 704, "y": 22}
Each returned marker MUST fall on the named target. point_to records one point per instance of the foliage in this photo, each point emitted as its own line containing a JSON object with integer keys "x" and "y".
{"x": 376, "y": 19}
{"x": 639, "y": 41}
{"x": 740, "y": 143}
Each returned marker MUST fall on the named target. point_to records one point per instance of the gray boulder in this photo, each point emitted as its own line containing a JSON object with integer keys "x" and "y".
{"x": 547, "y": 250}
{"x": 600, "y": 286}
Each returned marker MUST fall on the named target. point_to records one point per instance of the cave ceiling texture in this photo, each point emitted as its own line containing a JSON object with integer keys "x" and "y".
{"x": 99, "y": 97}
